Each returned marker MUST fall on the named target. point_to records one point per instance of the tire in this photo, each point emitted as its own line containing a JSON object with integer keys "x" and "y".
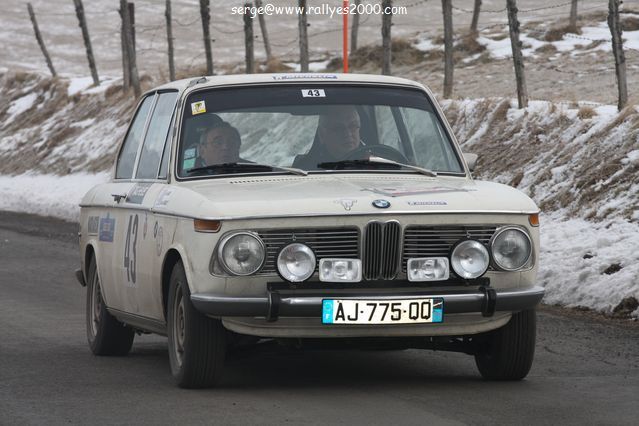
{"x": 197, "y": 343}
{"x": 507, "y": 353}
{"x": 106, "y": 335}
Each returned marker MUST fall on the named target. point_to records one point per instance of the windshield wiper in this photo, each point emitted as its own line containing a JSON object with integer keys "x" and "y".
{"x": 229, "y": 167}
{"x": 340, "y": 165}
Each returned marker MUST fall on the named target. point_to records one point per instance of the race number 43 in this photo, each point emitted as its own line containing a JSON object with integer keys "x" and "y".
{"x": 130, "y": 248}
{"x": 313, "y": 93}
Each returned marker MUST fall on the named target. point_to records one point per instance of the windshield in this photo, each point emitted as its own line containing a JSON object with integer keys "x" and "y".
{"x": 320, "y": 129}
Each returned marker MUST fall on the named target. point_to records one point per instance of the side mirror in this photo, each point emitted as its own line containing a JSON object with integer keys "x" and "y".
{"x": 471, "y": 160}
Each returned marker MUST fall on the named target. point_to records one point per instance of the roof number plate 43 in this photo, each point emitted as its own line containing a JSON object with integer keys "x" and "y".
{"x": 313, "y": 93}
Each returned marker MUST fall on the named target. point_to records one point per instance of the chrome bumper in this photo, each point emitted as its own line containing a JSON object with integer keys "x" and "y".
{"x": 484, "y": 300}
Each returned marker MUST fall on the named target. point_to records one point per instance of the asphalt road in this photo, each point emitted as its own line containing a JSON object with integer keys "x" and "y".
{"x": 586, "y": 370}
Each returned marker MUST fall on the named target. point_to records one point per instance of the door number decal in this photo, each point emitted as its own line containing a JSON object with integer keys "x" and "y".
{"x": 130, "y": 248}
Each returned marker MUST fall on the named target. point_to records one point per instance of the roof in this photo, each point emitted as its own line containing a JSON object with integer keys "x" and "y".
{"x": 223, "y": 80}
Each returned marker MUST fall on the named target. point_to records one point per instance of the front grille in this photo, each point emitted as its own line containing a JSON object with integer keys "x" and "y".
{"x": 438, "y": 241}
{"x": 325, "y": 242}
{"x": 381, "y": 250}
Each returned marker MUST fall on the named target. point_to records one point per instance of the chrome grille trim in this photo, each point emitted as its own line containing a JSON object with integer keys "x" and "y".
{"x": 325, "y": 242}
{"x": 438, "y": 241}
{"x": 381, "y": 252}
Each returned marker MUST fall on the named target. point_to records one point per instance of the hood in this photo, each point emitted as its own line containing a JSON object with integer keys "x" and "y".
{"x": 277, "y": 196}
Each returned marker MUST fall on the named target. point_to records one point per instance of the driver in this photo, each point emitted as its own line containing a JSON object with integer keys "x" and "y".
{"x": 220, "y": 144}
{"x": 337, "y": 136}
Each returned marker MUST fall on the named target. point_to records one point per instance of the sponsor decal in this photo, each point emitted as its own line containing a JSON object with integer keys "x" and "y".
{"x": 137, "y": 193}
{"x": 130, "y": 250}
{"x": 427, "y": 203}
{"x": 93, "y": 225}
{"x": 164, "y": 197}
{"x": 198, "y": 108}
{"x": 304, "y": 76}
{"x": 346, "y": 203}
{"x": 188, "y": 164}
{"x": 381, "y": 204}
{"x": 107, "y": 228}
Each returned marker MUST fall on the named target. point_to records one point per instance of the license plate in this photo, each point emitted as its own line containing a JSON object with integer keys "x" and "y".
{"x": 345, "y": 311}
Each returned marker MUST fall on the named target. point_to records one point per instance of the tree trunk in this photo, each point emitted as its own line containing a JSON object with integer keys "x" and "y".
{"x": 617, "y": 51}
{"x": 169, "y": 39}
{"x": 130, "y": 47}
{"x": 475, "y": 21}
{"x": 355, "y": 27}
{"x": 573, "y": 16}
{"x": 518, "y": 60}
{"x": 447, "y": 7}
{"x": 126, "y": 68}
{"x": 36, "y": 30}
{"x": 267, "y": 43}
{"x": 387, "y": 19}
{"x": 302, "y": 23}
{"x": 206, "y": 22}
{"x": 79, "y": 11}
{"x": 248, "y": 41}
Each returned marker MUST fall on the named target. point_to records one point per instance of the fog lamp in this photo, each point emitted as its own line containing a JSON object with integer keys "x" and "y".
{"x": 428, "y": 269}
{"x": 340, "y": 270}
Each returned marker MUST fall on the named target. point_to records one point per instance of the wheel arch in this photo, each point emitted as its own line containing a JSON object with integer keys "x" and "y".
{"x": 172, "y": 256}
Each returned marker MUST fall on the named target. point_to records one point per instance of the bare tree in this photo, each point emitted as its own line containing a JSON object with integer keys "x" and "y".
{"x": 573, "y": 16}
{"x": 169, "y": 39}
{"x": 617, "y": 50}
{"x": 267, "y": 43}
{"x": 303, "y": 24}
{"x": 248, "y": 41}
{"x": 79, "y": 11}
{"x": 387, "y": 21}
{"x": 38, "y": 37}
{"x": 518, "y": 60}
{"x": 206, "y": 21}
{"x": 355, "y": 27}
{"x": 475, "y": 20}
{"x": 447, "y": 7}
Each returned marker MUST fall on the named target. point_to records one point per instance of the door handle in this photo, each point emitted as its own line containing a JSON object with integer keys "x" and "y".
{"x": 118, "y": 197}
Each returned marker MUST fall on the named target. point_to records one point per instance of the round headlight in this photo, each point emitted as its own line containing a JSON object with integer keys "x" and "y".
{"x": 511, "y": 248}
{"x": 296, "y": 262}
{"x": 241, "y": 253}
{"x": 470, "y": 259}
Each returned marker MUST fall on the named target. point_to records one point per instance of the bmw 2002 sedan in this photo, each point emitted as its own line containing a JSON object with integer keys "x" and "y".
{"x": 307, "y": 208}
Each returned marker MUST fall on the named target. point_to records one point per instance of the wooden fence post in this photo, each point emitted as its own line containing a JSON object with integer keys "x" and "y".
{"x": 303, "y": 29}
{"x": 475, "y": 20}
{"x": 248, "y": 41}
{"x": 206, "y": 21}
{"x": 169, "y": 39}
{"x": 355, "y": 27}
{"x": 79, "y": 11}
{"x": 573, "y": 16}
{"x": 267, "y": 43}
{"x": 126, "y": 68}
{"x": 617, "y": 50}
{"x": 518, "y": 60}
{"x": 447, "y": 8}
{"x": 130, "y": 47}
{"x": 38, "y": 36}
{"x": 387, "y": 53}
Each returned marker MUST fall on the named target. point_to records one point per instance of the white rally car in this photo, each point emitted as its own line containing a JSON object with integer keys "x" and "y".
{"x": 308, "y": 207}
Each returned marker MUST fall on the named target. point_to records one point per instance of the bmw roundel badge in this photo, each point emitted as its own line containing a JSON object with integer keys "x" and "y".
{"x": 381, "y": 204}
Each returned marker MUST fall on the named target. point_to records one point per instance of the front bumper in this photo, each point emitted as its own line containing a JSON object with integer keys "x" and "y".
{"x": 484, "y": 300}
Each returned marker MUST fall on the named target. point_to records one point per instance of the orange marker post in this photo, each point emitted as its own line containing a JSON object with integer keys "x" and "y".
{"x": 345, "y": 7}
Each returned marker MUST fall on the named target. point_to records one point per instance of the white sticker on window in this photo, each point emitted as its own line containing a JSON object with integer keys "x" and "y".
{"x": 198, "y": 107}
{"x": 189, "y": 153}
{"x": 313, "y": 93}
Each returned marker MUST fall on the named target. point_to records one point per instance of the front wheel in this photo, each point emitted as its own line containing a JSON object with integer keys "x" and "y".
{"x": 507, "y": 353}
{"x": 106, "y": 335}
{"x": 197, "y": 344}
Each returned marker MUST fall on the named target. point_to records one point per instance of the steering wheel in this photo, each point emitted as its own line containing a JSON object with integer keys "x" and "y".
{"x": 383, "y": 151}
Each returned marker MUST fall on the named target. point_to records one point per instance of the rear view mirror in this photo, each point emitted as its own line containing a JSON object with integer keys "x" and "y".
{"x": 471, "y": 160}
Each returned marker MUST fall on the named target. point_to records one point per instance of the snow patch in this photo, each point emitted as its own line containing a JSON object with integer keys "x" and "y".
{"x": 21, "y": 105}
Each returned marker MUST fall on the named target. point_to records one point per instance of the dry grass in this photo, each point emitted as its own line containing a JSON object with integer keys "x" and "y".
{"x": 468, "y": 44}
{"x": 586, "y": 113}
{"x": 402, "y": 52}
{"x": 547, "y": 48}
{"x": 275, "y": 66}
{"x": 557, "y": 33}
{"x": 630, "y": 23}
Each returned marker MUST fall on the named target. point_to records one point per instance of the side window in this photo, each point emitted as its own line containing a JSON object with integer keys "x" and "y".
{"x": 126, "y": 161}
{"x": 156, "y": 136}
